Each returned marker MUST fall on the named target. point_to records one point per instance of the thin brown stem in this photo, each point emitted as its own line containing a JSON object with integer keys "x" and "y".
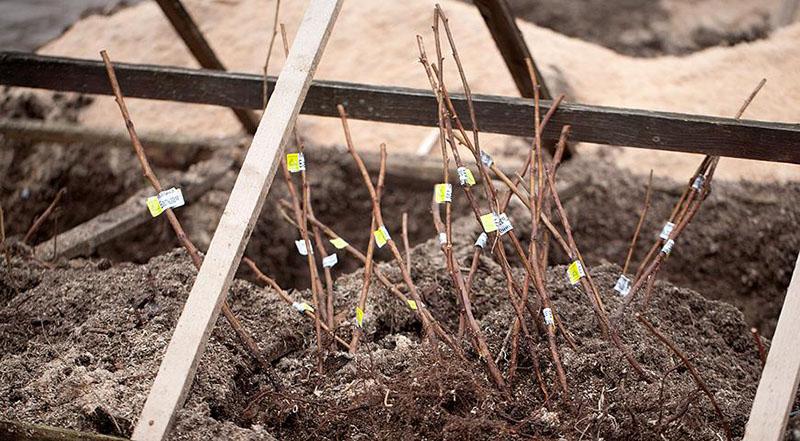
{"x": 642, "y": 216}
{"x": 269, "y": 50}
{"x": 406, "y": 245}
{"x": 368, "y": 264}
{"x": 43, "y": 217}
{"x": 762, "y": 353}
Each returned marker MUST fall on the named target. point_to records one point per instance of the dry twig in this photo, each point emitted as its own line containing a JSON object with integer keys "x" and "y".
{"x": 37, "y": 223}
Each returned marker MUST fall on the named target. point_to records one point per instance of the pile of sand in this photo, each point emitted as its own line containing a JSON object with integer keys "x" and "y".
{"x": 373, "y": 42}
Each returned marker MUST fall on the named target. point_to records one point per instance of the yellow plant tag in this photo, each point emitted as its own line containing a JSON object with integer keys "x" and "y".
{"x": 339, "y": 243}
{"x": 302, "y": 307}
{"x": 575, "y": 272}
{"x": 359, "y": 317}
{"x": 412, "y": 304}
{"x": 154, "y": 206}
{"x": 488, "y": 223}
{"x": 443, "y": 193}
{"x": 295, "y": 162}
{"x": 381, "y": 236}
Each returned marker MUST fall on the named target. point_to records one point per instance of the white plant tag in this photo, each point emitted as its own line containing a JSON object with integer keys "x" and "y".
{"x": 503, "y": 223}
{"x": 548, "y": 317}
{"x": 486, "y": 159}
{"x": 623, "y": 286}
{"x": 665, "y": 232}
{"x": 301, "y": 247}
{"x": 330, "y": 261}
{"x": 171, "y": 198}
{"x": 698, "y": 182}
{"x": 465, "y": 177}
{"x": 481, "y": 242}
{"x": 442, "y": 238}
{"x": 667, "y": 248}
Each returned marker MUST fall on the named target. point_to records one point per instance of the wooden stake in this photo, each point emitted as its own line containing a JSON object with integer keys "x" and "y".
{"x": 779, "y": 379}
{"x": 247, "y": 198}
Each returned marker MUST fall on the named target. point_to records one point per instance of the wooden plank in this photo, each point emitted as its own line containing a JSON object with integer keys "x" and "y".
{"x": 185, "y": 26}
{"x": 502, "y": 25}
{"x": 778, "y": 386}
{"x": 194, "y": 326}
{"x": 19, "y": 431}
{"x": 83, "y": 239}
{"x": 766, "y": 141}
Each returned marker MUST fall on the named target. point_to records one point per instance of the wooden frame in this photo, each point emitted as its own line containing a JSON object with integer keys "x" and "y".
{"x": 781, "y": 374}
{"x": 194, "y": 326}
{"x": 766, "y": 141}
{"x": 187, "y": 29}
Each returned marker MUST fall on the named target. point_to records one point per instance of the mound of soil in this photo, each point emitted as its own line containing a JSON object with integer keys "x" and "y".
{"x": 81, "y": 343}
{"x": 651, "y": 28}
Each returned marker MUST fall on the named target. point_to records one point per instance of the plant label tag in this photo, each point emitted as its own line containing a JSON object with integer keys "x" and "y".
{"x": 442, "y": 238}
{"x": 623, "y": 286}
{"x": 302, "y": 307}
{"x": 503, "y": 223}
{"x": 330, "y": 261}
{"x": 486, "y": 159}
{"x": 488, "y": 222}
{"x": 153, "y": 206}
{"x": 667, "y": 248}
{"x": 339, "y": 243}
{"x": 295, "y": 162}
{"x": 698, "y": 182}
{"x": 381, "y": 236}
{"x": 301, "y": 247}
{"x": 549, "y": 320}
{"x": 465, "y": 177}
{"x": 575, "y": 272}
{"x": 359, "y": 317}
{"x": 666, "y": 231}
{"x": 481, "y": 242}
{"x": 443, "y": 193}
{"x": 172, "y": 198}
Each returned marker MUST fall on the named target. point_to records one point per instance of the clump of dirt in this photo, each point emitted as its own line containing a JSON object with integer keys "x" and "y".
{"x": 85, "y": 342}
{"x": 653, "y": 27}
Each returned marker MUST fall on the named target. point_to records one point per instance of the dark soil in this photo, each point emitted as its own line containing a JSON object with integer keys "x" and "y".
{"x": 649, "y": 28}
{"x": 83, "y": 342}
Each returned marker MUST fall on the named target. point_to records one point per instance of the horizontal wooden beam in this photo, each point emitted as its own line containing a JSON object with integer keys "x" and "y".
{"x": 767, "y": 141}
{"x": 19, "y": 431}
{"x": 83, "y": 239}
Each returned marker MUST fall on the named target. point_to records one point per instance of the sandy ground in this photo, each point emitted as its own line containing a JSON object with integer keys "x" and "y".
{"x": 374, "y": 43}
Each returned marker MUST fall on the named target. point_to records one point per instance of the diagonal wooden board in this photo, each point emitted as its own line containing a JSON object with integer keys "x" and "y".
{"x": 781, "y": 374}
{"x": 194, "y": 326}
